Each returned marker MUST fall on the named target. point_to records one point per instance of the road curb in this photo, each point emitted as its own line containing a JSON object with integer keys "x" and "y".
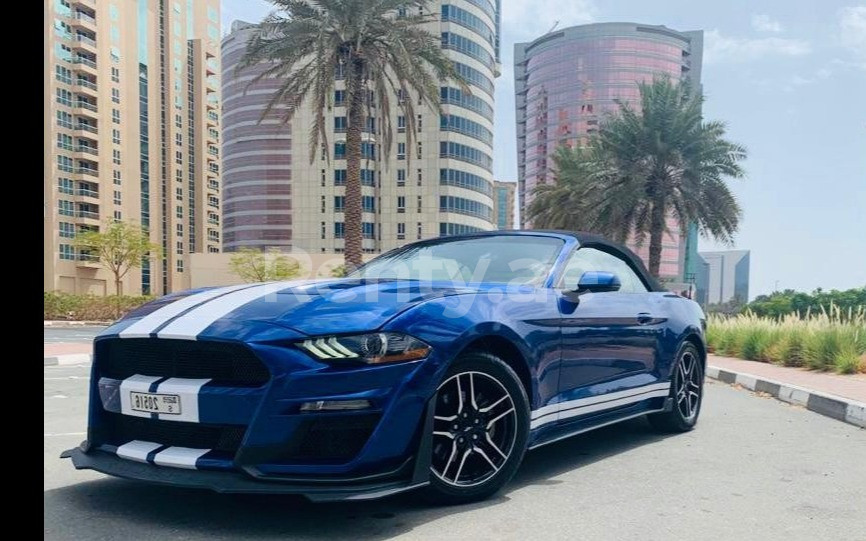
{"x": 65, "y": 360}
{"x": 60, "y": 323}
{"x": 836, "y": 407}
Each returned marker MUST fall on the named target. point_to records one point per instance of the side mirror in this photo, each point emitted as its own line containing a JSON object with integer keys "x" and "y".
{"x": 598, "y": 282}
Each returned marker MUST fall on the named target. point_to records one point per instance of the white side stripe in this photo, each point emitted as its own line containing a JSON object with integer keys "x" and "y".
{"x": 573, "y": 408}
{"x": 188, "y": 390}
{"x": 191, "y": 324}
{"x": 137, "y": 450}
{"x": 137, "y": 383}
{"x": 179, "y": 457}
{"x": 152, "y": 321}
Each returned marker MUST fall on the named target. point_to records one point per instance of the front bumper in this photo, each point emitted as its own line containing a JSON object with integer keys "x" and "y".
{"x": 317, "y": 490}
{"x": 412, "y": 474}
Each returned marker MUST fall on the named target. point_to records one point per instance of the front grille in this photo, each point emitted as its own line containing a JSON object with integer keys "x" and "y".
{"x": 340, "y": 437}
{"x": 223, "y": 362}
{"x": 118, "y": 429}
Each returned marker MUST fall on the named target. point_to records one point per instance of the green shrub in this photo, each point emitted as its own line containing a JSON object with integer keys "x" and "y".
{"x": 828, "y": 340}
{"x": 66, "y": 306}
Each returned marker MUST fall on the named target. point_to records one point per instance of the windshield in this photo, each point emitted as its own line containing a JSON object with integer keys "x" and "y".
{"x": 506, "y": 259}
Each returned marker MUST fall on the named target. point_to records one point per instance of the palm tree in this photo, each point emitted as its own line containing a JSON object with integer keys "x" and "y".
{"x": 380, "y": 49}
{"x": 647, "y": 164}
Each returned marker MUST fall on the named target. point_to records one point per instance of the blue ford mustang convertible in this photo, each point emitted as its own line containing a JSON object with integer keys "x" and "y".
{"x": 436, "y": 365}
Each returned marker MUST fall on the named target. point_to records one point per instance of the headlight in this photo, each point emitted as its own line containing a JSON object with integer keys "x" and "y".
{"x": 372, "y": 348}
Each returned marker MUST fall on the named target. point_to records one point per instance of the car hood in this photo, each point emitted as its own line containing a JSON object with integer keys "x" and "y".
{"x": 310, "y": 307}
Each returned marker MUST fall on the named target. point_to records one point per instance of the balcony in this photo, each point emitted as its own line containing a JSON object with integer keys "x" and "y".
{"x": 87, "y": 149}
{"x": 87, "y": 87}
{"x": 82, "y": 104}
{"x": 84, "y": 259}
{"x": 84, "y": 65}
{"x": 87, "y": 192}
{"x": 88, "y": 215}
{"x": 83, "y": 20}
{"x": 86, "y": 171}
{"x": 212, "y": 118}
{"x": 84, "y": 127}
{"x": 84, "y": 43}
{"x": 85, "y": 109}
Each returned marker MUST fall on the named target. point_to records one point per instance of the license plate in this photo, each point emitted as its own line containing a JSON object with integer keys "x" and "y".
{"x": 155, "y": 402}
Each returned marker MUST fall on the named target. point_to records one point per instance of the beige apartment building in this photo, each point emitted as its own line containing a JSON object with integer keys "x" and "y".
{"x": 443, "y": 185}
{"x": 132, "y": 132}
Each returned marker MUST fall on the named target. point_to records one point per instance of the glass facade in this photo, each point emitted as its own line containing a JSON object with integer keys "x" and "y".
{"x": 568, "y": 80}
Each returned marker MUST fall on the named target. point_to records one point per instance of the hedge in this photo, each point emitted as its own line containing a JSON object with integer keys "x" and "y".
{"x": 66, "y": 306}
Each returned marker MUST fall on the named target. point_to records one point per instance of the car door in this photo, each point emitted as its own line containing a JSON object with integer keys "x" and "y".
{"x": 607, "y": 337}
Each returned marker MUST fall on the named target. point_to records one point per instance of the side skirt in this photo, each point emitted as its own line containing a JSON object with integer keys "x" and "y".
{"x": 569, "y": 433}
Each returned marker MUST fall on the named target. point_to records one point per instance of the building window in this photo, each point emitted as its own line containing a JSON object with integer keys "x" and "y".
{"x": 64, "y": 97}
{"x": 115, "y": 136}
{"x": 401, "y": 231}
{"x": 419, "y": 150}
{"x": 213, "y": 235}
{"x": 178, "y": 175}
{"x": 64, "y": 119}
{"x": 368, "y": 203}
{"x": 67, "y": 230}
{"x": 178, "y": 139}
{"x": 339, "y": 203}
{"x": 420, "y": 230}
{"x": 339, "y": 230}
{"x": 419, "y": 204}
{"x": 339, "y": 97}
{"x": 115, "y": 95}
{"x": 65, "y": 185}
{"x": 420, "y": 122}
{"x": 64, "y": 141}
{"x": 401, "y": 151}
{"x": 420, "y": 176}
{"x": 117, "y": 216}
{"x": 115, "y": 156}
{"x": 178, "y": 211}
{"x": 64, "y": 75}
{"x": 117, "y": 197}
{"x": 179, "y": 229}
{"x": 66, "y": 251}
{"x": 116, "y": 177}
{"x": 115, "y": 74}
{"x": 65, "y": 208}
{"x": 178, "y": 157}
{"x": 65, "y": 163}
{"x": 401, "y": 204}
{"x": 179, "y": 247}
{"x": 213, "y": 249}
{"x": 115, "y": 116}
{"x": 461, "y": 205}
{"x": 401, "y": 124}
{"x": 323, "y": 204}
{"x": 339, "y": 124}
{"x": 401, "y": 177}
{"x": 368, "y": 230}
{"x": 180, "y": 265}
{"x": 324, "y": 230}
{"x": 213, "y": 201}
{"x": 178, "y": 194}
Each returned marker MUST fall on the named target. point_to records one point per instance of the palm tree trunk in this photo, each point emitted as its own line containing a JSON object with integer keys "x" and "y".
{"x": 352, "y": 201}
{"x": 657, "y": 229}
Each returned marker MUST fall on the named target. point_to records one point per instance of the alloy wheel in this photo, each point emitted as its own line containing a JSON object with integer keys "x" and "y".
{"x": 688, "y": 385}
{"x": 475, "y": 428}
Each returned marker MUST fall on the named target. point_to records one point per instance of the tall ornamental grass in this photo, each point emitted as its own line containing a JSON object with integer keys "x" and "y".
{"x": 830, "y": 340}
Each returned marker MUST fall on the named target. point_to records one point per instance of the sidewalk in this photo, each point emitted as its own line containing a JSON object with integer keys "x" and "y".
{"x": 833, "y": 395}
{"x": 65, "y": 353}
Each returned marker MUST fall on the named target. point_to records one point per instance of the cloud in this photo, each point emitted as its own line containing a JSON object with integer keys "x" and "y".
{"x": 720, "y": 48}
{"x": 763, "y": 23}
{"x": 852, "y": 31}
{"x": 525, "y": 20}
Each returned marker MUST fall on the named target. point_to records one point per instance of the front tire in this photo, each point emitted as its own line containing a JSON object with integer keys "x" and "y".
{"x": 687, "y": 393}
{"x": 480, "y": 429}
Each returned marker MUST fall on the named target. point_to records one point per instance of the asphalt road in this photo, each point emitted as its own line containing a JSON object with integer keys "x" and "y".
{"x": 53, "y": 335}
{"x": 754, "y": 468}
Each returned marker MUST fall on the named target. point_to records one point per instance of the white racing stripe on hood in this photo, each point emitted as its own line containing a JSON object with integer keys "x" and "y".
{"x": 152, "y": 321}
{"x": 137, "y": 450}
{"x": 191, "y": 324}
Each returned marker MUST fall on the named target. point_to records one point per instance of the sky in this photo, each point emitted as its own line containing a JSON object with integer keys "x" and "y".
{"x": 788, "y": 77}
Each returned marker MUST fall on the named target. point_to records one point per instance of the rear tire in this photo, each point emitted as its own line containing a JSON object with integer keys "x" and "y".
{"x": 687, "y": 393}
{"x": 480, "y": 430}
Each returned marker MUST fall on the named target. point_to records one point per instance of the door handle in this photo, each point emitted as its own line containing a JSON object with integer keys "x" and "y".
{"x": 644, "y": 318}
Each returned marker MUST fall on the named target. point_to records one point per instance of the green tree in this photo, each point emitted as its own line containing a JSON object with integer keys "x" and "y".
{"x": 252, "y": 265}
{"x": 119, "y": 247}
{"x": 379, "y": 48}
{"x": 649, "y": 162}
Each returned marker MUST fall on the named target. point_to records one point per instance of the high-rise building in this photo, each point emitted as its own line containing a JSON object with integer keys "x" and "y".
{"x": 503, "y": 203}
{"x": 566, "y": 80}
{"x": 722, "y": 277}
{"x": 275, "y": 197}
{"x": 131, "y": 113}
